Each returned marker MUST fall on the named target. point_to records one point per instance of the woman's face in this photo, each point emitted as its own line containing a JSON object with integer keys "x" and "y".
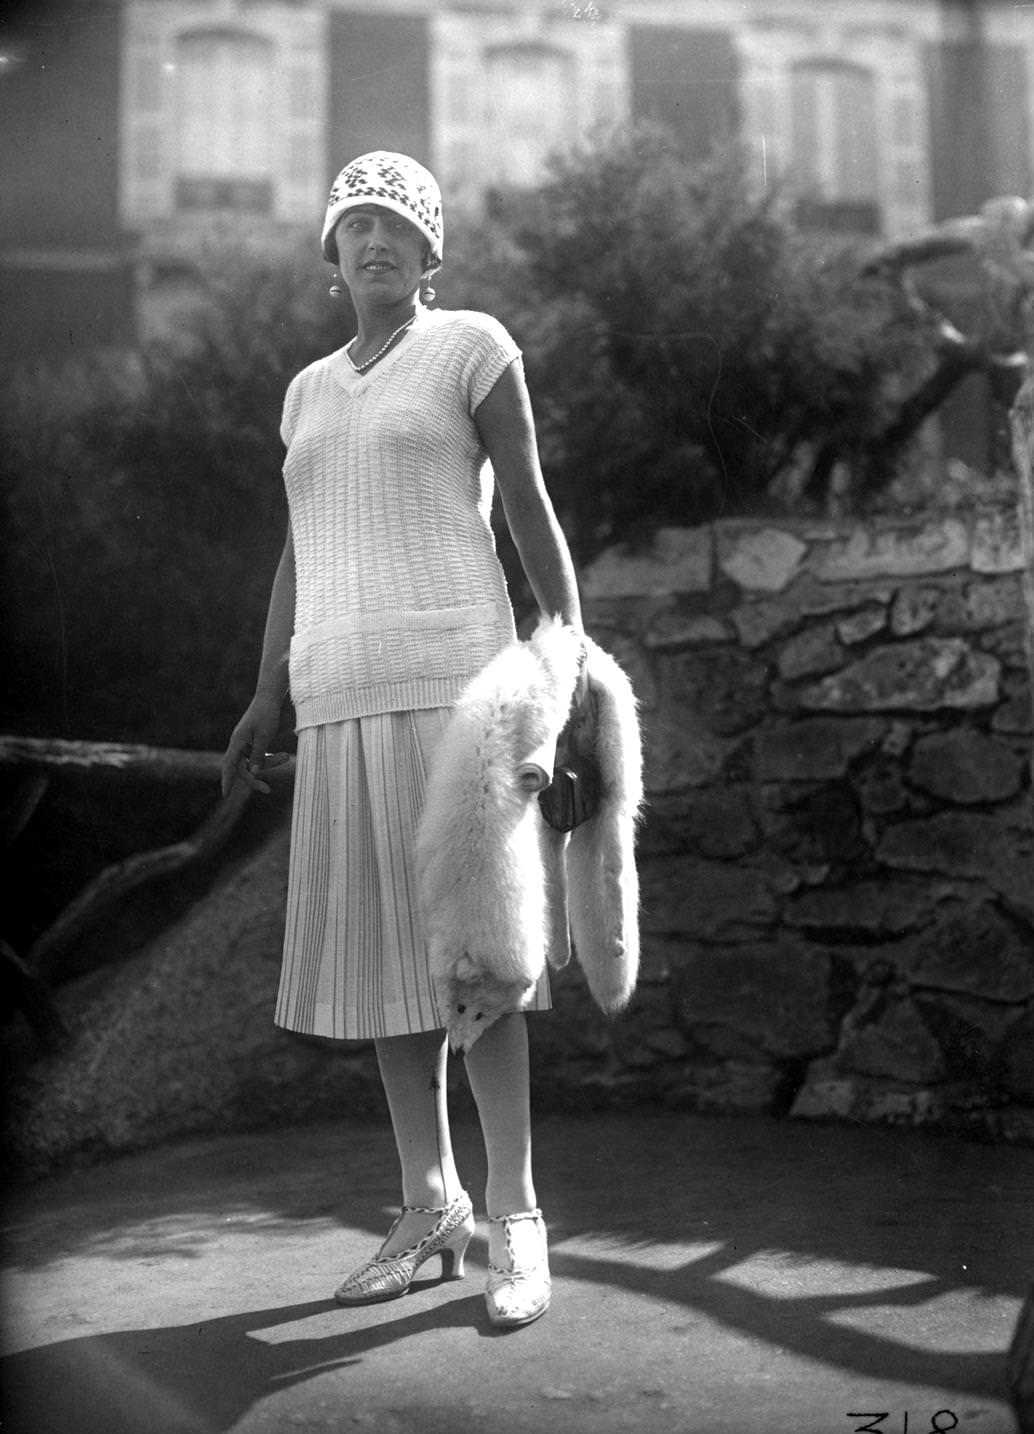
{"x": 381, "y": 255}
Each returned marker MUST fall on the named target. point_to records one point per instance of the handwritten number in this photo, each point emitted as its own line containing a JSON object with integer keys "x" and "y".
{"x": 873, "y": 1427}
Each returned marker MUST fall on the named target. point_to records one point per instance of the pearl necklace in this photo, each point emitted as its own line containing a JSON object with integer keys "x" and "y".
{"x": 369, "y": 363}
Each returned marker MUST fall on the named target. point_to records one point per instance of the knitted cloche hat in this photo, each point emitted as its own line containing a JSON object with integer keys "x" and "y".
{"x": 395, "y": 182}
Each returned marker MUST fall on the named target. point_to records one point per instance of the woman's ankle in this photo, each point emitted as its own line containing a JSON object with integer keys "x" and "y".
{"x": 509, "y": 1198}
{"x": 432, "y": 1194}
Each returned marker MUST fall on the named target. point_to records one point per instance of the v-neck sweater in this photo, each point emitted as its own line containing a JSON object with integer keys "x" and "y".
{"x": 400, "y": 596}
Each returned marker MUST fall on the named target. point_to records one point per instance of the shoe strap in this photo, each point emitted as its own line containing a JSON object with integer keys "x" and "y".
{"x": 515, "y": 1271}
{"x": 440, "y": 1210}
{"x": 433, "y": 1209}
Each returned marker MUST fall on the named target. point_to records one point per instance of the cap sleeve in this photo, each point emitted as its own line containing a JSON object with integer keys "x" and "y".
{"x": 491, "y": 351}
{"x": 289, "y": 415}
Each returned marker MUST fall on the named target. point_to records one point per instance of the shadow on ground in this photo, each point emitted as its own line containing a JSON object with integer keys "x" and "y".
{"x": 707, "y": 1268}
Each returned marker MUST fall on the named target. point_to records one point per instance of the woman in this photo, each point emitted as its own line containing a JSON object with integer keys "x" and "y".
{"x": 387, "y": 600}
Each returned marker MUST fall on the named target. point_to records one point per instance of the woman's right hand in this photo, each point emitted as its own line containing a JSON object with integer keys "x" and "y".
{"x": 246, "y": 753}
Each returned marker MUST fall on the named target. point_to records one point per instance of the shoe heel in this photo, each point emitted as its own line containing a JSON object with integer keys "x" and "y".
{"x": 454, "y": 1255}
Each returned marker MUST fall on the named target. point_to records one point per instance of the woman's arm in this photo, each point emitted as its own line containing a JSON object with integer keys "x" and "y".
{"x": 246, "y": 751}
{"x": 504, "y": 421}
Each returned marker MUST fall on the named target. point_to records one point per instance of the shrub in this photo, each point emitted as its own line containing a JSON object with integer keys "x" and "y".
{"x": 690, "y": 353}
{"x": 144, "y": 510}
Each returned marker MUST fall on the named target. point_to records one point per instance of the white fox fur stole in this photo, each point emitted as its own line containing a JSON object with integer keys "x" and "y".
{"x": 501, "y": 892}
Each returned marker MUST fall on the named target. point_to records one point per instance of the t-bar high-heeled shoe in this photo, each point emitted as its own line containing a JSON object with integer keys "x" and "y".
{"x": 386, "y": 1277}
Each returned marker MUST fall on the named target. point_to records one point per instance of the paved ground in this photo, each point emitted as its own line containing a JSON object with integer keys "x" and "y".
{"x": 711, "y": 1277}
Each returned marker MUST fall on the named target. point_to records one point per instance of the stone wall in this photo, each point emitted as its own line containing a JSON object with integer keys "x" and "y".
{"x": 838, "y": 856}
{"x": 837, "y": 866}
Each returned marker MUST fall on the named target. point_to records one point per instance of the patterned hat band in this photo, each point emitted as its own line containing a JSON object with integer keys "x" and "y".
{"x": 395, "y": 182}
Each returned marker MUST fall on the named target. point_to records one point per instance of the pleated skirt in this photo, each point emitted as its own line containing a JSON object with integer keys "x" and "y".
{"x": 355, "y": 962}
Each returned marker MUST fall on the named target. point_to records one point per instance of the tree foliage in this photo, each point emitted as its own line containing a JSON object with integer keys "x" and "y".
{"x": 143, "y": 508}
{"x": 690, "y": 353}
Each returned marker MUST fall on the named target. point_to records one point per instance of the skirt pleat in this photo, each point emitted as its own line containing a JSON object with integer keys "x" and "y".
{"x": 355, "y": 961}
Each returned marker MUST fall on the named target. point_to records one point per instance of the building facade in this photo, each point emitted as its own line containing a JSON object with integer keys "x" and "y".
{"x": 136, "y": 138}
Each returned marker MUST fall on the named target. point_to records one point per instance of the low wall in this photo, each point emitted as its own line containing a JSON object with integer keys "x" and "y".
{"x": 838, "y": 857}
{"x": 837, "y": 867}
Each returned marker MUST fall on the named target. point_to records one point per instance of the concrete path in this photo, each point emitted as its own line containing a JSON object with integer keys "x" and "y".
{"x": 711, "y": 1277}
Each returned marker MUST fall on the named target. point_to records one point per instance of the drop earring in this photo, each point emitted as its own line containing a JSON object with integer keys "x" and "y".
{"x": 336, "y": 290}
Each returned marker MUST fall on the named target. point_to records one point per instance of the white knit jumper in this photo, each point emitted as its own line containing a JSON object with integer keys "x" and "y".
{"x": 401, "y": 598}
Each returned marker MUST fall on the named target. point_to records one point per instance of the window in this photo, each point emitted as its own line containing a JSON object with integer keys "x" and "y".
{"x": 532, "y": 109}
{"x": 688, "y": 80}
{"x": 224, "y": 114}
{"x": 834, "y": 145}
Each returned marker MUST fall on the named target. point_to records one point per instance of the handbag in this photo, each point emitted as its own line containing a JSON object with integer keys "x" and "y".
{"x": 573, "y": 795}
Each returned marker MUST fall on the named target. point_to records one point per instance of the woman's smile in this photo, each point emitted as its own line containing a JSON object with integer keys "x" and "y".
{"x": 375, "y": 244}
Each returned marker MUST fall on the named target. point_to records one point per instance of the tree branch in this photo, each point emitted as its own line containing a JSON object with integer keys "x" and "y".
{"x": 116, "y": 882}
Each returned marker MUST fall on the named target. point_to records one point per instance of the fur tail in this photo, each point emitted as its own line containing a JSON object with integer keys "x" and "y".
{"x": 603, "y": 883}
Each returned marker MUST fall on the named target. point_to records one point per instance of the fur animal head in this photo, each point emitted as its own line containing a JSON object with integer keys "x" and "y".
{"x": 471, "y": 998}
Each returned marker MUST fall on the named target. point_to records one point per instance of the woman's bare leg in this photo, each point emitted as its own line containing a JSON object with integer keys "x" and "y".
{"x": 497, "y": 1068}
{"x": 413, "y": 1074}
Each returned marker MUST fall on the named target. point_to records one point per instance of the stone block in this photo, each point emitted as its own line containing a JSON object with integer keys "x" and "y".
{"x": 764, "y": 619}
{"x": 817, "y": 599}
{"x": 759, "y": 1000}
{"x": 979, "y": 606}
{"x": 1018, "y": 1059}
{"x": 757, "y": 623}
{"x": 1015, "y": 717}
{"x": 759, "y": 560}
{"x": 826, "y": 1094}
{"x": 1014, "y": 1125}
{"x": 997, "y": 543}
{"x": 659, "y": 956}
{"x": 938, "y": 546}
{"x": 679, "y": 560}
{"x": 719, "y": 822}
{"x": 967, "y": 845}
{"x": 815, "y": 749}
{"x": 887, "y": 1037}
{"x": 737, "y": 1087}
{"x": 970, "y": 1032}
{"x": 702, "y": 901}
{"x": 913, "y": 610}
{"x": 672, "y": 630}
{"x": 811, "y": 653}
{"x": 955, "y": 844}
{"x": 861, "y": 626}
{"x": 921, "y": 676}
{"x": 870, "y": 909}
{"x": 723, "y": 688}
{"x": 965, "y": 767}
{"x": 880, "y": 787}
{"x": 969, "y": 947}
{"x": 818, "y": 829}
{"x": 680, "y": 750}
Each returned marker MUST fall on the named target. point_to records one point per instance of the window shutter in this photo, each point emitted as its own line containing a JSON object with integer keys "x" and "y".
{"x": 303, "y": 168}
{"x": 147, "y": 117}
{"x": 980, "y": 138}
{"x": 688, "y": 80}
{"x": 378, "y": 86}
